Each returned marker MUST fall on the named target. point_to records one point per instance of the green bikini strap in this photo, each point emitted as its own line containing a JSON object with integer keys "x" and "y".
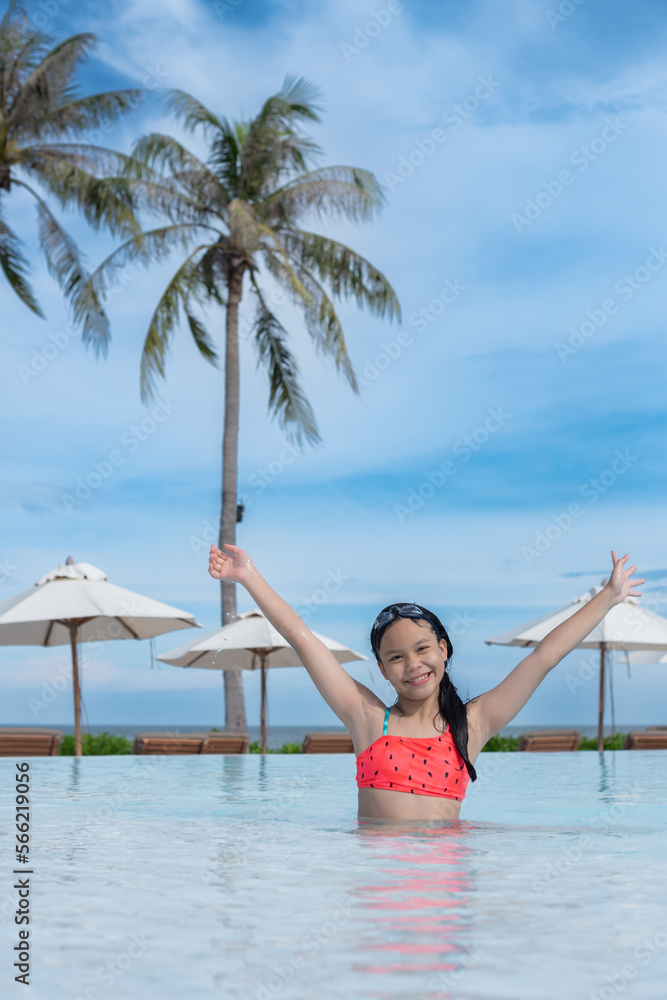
{"x": 386, "y": 720}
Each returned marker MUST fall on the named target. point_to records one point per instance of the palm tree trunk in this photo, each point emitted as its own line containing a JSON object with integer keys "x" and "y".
{"x": 235, "y": 717}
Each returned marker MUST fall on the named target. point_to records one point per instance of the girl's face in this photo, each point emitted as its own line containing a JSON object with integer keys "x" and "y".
{"x": 412, "y": 659}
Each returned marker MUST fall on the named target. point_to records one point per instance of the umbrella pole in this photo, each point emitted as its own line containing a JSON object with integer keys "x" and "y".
{"x": 263, "y": 710}
{"x": 601, "y": 708}
{"x": 77, "y": 691}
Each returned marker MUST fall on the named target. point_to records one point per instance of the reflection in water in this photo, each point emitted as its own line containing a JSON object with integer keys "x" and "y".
{"x": 75, "y": 777}
{"x": 607, "y": 775}
{"x": 420, "y": 909}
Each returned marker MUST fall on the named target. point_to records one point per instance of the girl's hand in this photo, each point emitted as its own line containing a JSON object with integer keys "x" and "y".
{"x": 232, "y": 565}
{"x": 619, "y": 582}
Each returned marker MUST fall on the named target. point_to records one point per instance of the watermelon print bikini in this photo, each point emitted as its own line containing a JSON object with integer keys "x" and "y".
{"x": 421, "y": 766}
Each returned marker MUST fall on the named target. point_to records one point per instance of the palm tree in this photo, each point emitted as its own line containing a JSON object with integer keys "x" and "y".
{"x": 39, "y": 114}
{"x": 226, "y": 216}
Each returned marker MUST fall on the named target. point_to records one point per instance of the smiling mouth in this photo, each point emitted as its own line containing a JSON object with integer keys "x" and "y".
{"x": 421, "y": 679}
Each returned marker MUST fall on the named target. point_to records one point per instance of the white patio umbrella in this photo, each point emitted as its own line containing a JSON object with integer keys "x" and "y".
{"x": 249, "y": 643}
{"x": 627, "y": 626}
{"x": 76, "y": 603}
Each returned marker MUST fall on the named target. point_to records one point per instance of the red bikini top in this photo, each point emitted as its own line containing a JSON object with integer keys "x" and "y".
{"x": 422, "y": 766}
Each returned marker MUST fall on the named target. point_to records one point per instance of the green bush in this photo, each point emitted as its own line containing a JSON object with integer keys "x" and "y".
{"x": 255, "y": 747}
{"x": 501, "y": 743}
{"x": 105, "y": 743}
{"x": 610, "y": 742}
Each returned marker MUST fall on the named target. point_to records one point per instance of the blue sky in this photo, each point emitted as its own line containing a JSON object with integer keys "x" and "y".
{"x": 522, "y": 157}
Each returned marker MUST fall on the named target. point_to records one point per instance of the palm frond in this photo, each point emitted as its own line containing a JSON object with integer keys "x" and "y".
{"x": 191, "y": 111}
{"x": 15, "y": 267}
{"x": 160, "y": 152}
{"x": 22, "y": 47}
{"x": 62, "y": 256}
{"x": 215, "y": 271}
{"x": 286, "y": 275}
{"x": 92, "y": 111}
{"x": 103, "y": 201}
{"x": 93, "y": 159}
{"x": 202, "y": 339}
{"x": 324, "y": 326}
{"x": 348, "y": 273}
{"x": 274, "y": 144}
{"x": 338, "y": 191}
{"x": 225, "y": 156}
{"x": 302, "y": 97}
{"x": 34, "y": 102}
{"x": 287, "y": 401}
{"x": 166, "y": 197}
{"x": 143, "y": 248}
{"x": 183, "y": 287}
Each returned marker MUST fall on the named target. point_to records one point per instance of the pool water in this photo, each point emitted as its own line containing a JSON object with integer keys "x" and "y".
{"x": 250, "y": 878}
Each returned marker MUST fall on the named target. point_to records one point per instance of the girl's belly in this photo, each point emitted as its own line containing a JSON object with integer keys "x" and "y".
{"x": 383, "y": 803}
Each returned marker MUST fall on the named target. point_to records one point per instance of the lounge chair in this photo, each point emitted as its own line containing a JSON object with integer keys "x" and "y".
{"x": 189, "y": 743}
{"x": 327, "y": 743}
{"x": 24, "y": 741}
{"x": 650, "y": 739}
{"x": 550, "y": 740}
{"x": 225, "y": 743}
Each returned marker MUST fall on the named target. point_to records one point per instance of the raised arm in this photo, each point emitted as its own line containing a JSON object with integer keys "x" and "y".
{"x": 345, "y": 696}
{"x": 494, "y": 709}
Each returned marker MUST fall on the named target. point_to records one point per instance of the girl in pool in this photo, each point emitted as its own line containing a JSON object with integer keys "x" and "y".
{"x": 415, "y": 758}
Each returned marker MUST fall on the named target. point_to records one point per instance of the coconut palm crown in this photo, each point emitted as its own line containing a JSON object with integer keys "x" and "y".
{"x": 40, "y": 115}
{"x": 226, "y": 215}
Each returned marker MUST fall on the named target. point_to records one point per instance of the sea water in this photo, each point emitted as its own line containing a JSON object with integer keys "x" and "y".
{"x": 250, "y": 878}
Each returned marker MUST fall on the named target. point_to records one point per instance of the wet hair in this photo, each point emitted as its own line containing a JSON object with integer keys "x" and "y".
{"x": 450, "y": 706}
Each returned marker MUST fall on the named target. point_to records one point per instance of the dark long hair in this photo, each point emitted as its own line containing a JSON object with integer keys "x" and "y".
{"x": 450, "y": 706}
